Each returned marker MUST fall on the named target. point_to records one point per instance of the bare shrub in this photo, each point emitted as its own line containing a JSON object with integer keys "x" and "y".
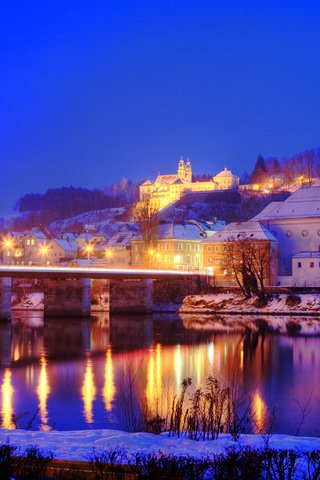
{"x": 107, "y": 465}
{"x": 7, "y": 453}
{"x": 313, "y": 465}
{"x": 33, "y": 464}
{"x": 209, "y": 411}
{"x": 292, "y": 300}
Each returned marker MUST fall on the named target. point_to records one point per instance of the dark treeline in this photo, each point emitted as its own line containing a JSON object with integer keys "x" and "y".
{"x": 300, "y": 168}
{"x": 65, "y": 202}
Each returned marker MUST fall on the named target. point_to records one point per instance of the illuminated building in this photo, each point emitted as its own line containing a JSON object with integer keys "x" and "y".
{"x": 168, "y": 188}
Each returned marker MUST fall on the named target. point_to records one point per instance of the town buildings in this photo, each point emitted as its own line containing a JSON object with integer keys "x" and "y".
{"x": 288, "y": 232}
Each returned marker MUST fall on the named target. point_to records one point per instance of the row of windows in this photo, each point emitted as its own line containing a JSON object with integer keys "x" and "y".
{"x": 311, "y": 265}
{"x": 217, "y": 248}
{"x": 166, "y": 246}
{"x": 217, "y": 260}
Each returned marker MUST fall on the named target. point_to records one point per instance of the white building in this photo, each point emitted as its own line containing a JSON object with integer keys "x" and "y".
{"x": 226, "y": 180}
{"x": 306, "y": 269}
{"x": 295, "y": 223}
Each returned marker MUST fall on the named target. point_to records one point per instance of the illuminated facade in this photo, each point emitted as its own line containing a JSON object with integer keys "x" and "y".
{"x": 168, "y": 188}
{"x": 215, "y": 251}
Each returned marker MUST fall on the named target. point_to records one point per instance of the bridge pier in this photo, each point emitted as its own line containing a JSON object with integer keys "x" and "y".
{"x": 131, "y": 296}
{"x": 67, "y": 298}
{"x": 5, "y": 298}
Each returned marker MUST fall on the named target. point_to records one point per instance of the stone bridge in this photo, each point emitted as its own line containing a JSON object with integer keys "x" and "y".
{"x": 67, "y": 290}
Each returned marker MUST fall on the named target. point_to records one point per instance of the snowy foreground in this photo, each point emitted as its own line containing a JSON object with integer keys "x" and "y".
{"x": 79, "y": 444}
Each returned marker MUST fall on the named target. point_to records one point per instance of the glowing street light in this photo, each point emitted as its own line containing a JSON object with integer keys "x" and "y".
{"x": 44, "y": 250}
{"x": 108, "y": 253}
{"x": 89, "y": 250}
{"x": 7, "y": 243}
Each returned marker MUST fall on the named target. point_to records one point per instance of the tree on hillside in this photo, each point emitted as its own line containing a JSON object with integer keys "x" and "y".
{"x": 260, "y": 172}
{"x": 251, "y": 263}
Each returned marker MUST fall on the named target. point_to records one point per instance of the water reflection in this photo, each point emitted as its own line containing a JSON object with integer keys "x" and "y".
{"x": 73, "y": 371}
{"x": 88, "y": 392}
{"x": 109, "y": 389}
{"x": 7, "y": 391}
{"x": 260, "y": 413}
{"x": 43, "y": 392}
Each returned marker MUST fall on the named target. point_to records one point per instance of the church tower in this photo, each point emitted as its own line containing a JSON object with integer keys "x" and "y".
{"x": 188, "y": 171}
{"x": 181, "y": 169}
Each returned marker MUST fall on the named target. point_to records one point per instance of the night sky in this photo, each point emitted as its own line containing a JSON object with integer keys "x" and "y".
{"x": 92, "y": 91}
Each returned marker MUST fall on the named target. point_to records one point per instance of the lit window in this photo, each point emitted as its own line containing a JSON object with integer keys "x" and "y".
{"x": 28, "y": 241}
{"x": 217, "y": 261}
{"x": 209, "y": 259}
{"x": 225, "y": 271}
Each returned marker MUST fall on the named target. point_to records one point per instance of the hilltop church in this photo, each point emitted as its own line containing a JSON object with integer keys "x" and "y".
{"x": 168, "y": 188}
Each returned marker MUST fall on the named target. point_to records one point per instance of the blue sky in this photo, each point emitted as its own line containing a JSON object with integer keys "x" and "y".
{"x": 92, "y": 91}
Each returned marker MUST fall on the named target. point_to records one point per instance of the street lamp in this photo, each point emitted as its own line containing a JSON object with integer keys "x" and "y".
{"x": 44, "y": 251}
{"x": 108, "y": 254}
{"x": 88, "y": 250}
{"x": 7, "y": 245}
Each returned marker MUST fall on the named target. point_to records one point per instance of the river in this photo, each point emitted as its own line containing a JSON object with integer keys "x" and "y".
{"x": 82, "y": 374}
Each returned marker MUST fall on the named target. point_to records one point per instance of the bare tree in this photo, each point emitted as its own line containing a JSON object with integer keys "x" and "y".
{"x": 148, "y": 220}
{"x": 250, "y": 262}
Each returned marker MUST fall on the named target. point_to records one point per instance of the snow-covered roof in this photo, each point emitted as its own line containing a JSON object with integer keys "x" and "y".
{"x": 224, "y": 173}
{"x": 166, "y": 178}
{"x": 65, "y": 245}
{"x": 121, "y": 239}
{"x": 242, "y": 230}
{"x": 303, "y": 203}
{"x": 36, "y": 233}
{"x": 147, "y": 182}
{"x": 307, "y": 255}
{"x": 179, "y": 231}
{"x": 178, "y": 182}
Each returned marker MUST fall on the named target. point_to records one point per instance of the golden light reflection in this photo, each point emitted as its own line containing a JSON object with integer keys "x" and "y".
{"x": 109, "y": 389}
{"x": 199, "y": 367}
{"x": 88, "y": 392}
{"x": 260, "y": 413}
{"x": 178, "y": 365}
{"x": 7, "y": 390}
{"x": 154, "y": 378}
{"x": 241, "y": 356}
{"x": 16, "y": 353}
{"x": 43, "y": 391}
{"x": 211, "y": 354}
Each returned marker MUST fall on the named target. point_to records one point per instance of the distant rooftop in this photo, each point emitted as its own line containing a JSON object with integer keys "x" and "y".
{"x": 303, "y": 203}
{"x": 251, "y": 230}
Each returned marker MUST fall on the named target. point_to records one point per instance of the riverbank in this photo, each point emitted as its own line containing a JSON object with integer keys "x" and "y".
{"x": 235, "y": 303}
{"x": 219, "y": 303}
{"x": 78, "y": 445}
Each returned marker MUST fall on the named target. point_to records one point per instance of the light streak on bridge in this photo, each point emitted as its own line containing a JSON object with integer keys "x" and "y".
{"x": 24, "y": 271}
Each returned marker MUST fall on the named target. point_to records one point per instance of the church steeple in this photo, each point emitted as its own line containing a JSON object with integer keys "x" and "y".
{"x": 181, "y": 169}
{"x": 188, "y": 171}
